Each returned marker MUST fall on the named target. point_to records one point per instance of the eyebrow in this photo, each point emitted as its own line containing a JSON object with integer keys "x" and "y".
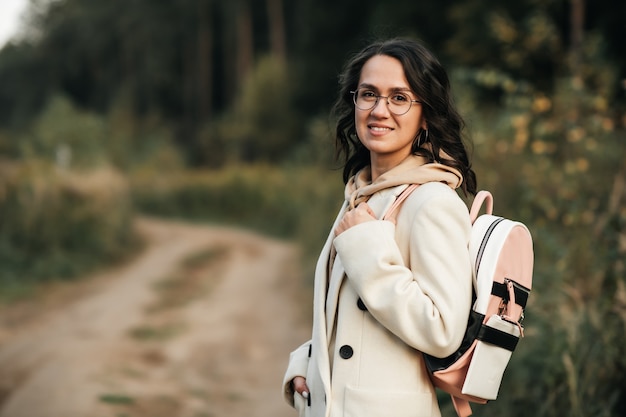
{"x": 373, "y": 87}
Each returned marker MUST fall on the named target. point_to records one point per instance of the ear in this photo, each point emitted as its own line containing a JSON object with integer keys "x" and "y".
{"x": 424, "y": 125}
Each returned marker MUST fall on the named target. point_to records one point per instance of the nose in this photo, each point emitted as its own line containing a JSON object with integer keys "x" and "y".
{"x": 381, "y": 108}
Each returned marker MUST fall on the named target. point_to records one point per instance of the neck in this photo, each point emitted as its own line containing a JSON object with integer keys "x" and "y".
{"x": 382, "y": 163}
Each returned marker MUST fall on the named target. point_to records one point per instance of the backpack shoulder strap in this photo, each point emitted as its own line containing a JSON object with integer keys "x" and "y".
{"x": 390, "y": 214}
{"x": 481, "y": 197}
{"x": 462, "y": 407}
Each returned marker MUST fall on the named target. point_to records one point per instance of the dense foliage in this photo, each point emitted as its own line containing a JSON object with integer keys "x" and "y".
{"x": 188, "y": 63}
{"x": 217, "y": 110}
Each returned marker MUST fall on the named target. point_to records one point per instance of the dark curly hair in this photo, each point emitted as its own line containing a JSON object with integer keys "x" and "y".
{"x": 429, "y": 80}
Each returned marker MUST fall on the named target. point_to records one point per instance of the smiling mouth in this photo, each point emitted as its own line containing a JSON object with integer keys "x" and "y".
{"x": 380, "y": 129}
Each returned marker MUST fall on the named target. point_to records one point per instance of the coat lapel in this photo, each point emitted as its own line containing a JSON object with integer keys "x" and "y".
{"x": 379, "y": 203}
{"x": 320, "y": 291}
{"x": 336, "y": 280}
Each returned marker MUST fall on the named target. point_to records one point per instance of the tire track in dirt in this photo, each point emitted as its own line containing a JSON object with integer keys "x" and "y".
{"x": 222, "y": 353}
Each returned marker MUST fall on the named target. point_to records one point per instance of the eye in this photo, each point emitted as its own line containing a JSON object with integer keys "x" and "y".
{"x": 400, "y": 98}
{"x": 367, "y": 94}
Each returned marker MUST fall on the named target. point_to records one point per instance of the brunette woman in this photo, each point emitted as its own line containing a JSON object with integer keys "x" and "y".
{"x": 388, "y": 291}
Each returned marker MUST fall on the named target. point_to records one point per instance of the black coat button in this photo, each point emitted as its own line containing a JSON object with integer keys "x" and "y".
{"x": 346, "y": 352}
{"x": 361, "y": 305}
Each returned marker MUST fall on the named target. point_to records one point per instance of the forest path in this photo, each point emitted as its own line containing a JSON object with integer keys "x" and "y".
{"x": 200, "y": 324}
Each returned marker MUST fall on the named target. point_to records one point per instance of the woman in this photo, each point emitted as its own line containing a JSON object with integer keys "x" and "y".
{"x": 387, "y": 291}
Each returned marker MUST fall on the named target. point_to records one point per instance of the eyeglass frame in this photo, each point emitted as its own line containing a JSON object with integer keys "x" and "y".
{"x": 378, "y": 97}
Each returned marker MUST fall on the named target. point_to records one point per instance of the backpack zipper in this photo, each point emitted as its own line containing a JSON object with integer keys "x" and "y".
{"x": 483, "y": 244}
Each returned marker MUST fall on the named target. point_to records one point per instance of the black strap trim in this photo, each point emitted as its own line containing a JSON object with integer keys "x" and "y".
{"x": 474, "y": 323}
{"x": 498, "y": 337}
{"x": 500, "y": 290}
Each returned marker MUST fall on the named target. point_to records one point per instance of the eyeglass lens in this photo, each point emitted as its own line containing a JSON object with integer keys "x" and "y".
{"x": 398, "y": 102}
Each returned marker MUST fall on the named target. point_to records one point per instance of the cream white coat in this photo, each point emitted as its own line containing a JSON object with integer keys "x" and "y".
{"x": 394, "y": 291}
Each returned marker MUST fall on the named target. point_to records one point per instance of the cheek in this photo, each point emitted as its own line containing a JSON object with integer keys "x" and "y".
{"x": 360, "y": 124}
{"x": 416, "y": 126}
{"x": 421, "y": 122}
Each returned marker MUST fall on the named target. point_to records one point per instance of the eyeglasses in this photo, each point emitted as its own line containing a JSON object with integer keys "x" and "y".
{"x": 398, "y": 103}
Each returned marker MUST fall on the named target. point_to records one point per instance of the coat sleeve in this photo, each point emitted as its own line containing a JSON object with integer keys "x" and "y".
{"x": 427, "y": 305}
{"x": 298, "y": 364}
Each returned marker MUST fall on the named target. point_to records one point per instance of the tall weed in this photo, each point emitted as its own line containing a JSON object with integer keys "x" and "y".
{"x": 58, "y": 224}
{"x": 288, "y": 202}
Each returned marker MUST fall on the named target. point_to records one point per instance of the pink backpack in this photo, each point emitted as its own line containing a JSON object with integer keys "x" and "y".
{"x": 501, "y": 252}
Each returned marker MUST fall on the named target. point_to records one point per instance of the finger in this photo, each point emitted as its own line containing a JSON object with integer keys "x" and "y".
{"x": 341, "y": 227}
{"x": 364, "y": 206}
{"x": 300, "y": 386}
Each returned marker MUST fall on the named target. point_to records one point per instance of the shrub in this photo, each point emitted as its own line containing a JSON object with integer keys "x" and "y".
{"x": 58, "y": 224}
{"x": 66, "y": 135}
{"x": 263, "y": 124}
{"x": 297, "y": 202}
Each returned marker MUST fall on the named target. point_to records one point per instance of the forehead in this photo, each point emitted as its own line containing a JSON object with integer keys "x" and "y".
{"x": 384, "y": 73}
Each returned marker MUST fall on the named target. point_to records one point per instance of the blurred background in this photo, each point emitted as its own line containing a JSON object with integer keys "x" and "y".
{"x": 217, "y": 112}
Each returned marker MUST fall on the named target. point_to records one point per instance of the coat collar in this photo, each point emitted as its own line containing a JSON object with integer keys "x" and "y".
{"x": 414, "y": 169}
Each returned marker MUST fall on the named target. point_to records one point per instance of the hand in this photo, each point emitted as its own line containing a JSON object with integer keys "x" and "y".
{"x": 300, "y": 386}
{"x": 361, "y": 214}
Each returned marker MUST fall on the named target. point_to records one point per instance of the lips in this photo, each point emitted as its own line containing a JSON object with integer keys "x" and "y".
{"x": 380, "y": 129}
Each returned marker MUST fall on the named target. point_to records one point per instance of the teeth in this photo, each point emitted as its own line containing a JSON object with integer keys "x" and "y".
{"x": 379, "y": 129}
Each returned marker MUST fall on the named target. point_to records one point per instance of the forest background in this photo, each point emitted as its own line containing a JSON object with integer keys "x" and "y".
{"x": 217, "y": 111}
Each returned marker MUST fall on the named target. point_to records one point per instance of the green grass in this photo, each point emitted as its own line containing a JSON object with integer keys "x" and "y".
{"x": 117, "y": 399}
{"x": 161, "y": 333}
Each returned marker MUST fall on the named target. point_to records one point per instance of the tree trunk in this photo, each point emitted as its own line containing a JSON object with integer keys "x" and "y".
{"x": 245, "y": 48}
{"x": 204, "y": 71}
{"x": 277, "y": 29}
{"x": 577, "y": 22}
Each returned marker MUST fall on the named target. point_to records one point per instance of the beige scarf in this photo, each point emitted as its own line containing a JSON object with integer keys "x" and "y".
{"x": 414, "y": 169}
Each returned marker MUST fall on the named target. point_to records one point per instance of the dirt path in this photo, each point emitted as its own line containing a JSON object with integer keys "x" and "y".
{"x": 199, "y": 325}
